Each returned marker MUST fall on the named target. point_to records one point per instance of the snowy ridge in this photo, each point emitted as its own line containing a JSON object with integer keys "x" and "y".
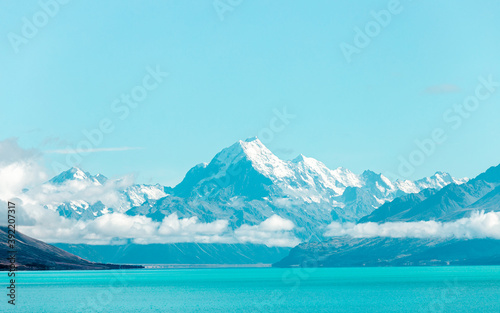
{"x": 308, "y": 179}
{"x": 85, "y": 191}
{"x": 139, "y": 194}
{"x": 436, "y": 181}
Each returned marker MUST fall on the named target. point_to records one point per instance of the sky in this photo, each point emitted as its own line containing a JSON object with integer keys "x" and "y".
{"x": 403, "y": 88}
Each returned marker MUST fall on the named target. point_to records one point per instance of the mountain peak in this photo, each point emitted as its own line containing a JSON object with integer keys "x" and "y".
{"x": 302, "y": 158}
{"x": 76, "y": 171}
{"x": 441, "y": 173}
{"x": 369, "y": 173}
{"x": 372, "y": 176}
{"x": 253, "y": 143}
{"x": 492, "y": 175}
{"x": 254, "y": 149}
{"x": 310, "y": 163}
{"x": 251, "y": 148}
{"x": 260, "y": 157}
{"x": 77, "y": 174}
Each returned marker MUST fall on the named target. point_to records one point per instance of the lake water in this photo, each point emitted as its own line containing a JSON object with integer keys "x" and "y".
{"x": 409, "y": 289}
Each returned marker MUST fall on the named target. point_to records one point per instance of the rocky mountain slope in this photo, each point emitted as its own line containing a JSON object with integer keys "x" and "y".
{"x": 178, "y": 253}
{"x": 354, "y": 252}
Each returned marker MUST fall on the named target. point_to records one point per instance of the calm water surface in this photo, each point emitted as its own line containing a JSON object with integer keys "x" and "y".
{"x": 410, "y": 289}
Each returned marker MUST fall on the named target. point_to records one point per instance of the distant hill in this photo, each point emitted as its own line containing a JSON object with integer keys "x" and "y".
{"x": 384, "y": 251}
{"x": 34, "y": 254}
{"x": 178, "y": 253}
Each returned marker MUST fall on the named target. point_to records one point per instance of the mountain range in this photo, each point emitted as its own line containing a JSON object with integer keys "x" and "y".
{"x": 246, "y": 184}
{"x": 449, "y": 203}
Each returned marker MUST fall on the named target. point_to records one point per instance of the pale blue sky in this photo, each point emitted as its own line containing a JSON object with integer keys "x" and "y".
{"x": 226, "y": 78}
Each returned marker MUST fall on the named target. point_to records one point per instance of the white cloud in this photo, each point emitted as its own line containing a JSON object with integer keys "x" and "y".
{"x": 276, "y": 223}
{"x": 273, "y": 232}
{"x": 173, "y": 225}
{"x": 11, "y": 152}
{"x": 479, "y": 225}
{"x": 117, "y": 228}
{"x": 19, "y": 168}
{"x": 74, "y": 190}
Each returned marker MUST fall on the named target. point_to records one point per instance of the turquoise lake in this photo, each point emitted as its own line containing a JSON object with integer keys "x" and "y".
{"x": 408, "y": 289}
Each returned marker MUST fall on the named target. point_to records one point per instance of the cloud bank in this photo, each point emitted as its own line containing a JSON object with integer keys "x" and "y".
{"x": 118, "y": 228}
{"x": 478, "y": 225}
{"x": 275, "y": 231}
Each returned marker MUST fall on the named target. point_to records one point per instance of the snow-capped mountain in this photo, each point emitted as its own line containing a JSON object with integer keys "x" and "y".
{"x": 303, "y": 178}
{"x": 245, "y": 184}
{"x": 76, "y": 174}
{"x": 139, "y": 194}
{"x": 88, "y": 193}
{"x": 436, "y": 181}
{"x": 448, "y": 203}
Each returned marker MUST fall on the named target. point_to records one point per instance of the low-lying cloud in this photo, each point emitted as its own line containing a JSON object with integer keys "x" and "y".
{"x": 478, "y": 225}
{"x": 108, "y": 193}
{"x": 118, "y": 228}
{"x": 275, "y": 231}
